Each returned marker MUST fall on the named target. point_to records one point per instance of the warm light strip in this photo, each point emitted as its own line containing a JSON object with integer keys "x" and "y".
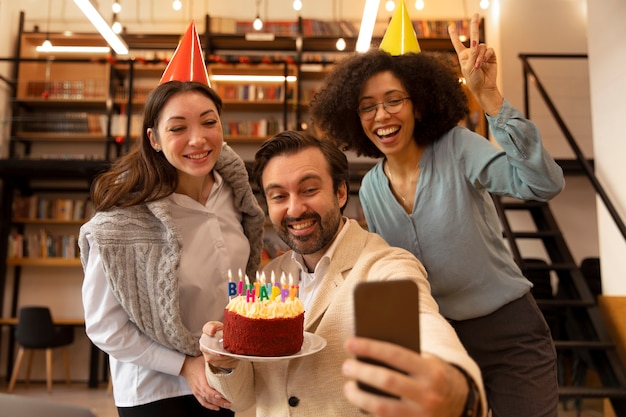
{"x": 118, "y": 45}
{"x": 74, "y": 49}
{"x": 367, "y": 25}
{"x": 254, "y": 78}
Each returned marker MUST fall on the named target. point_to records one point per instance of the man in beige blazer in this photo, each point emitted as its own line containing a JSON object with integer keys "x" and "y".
{"x": 305, "y": 184}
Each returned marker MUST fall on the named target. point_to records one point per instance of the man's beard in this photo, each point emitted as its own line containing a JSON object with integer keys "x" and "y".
{"x": 311, "y": 243}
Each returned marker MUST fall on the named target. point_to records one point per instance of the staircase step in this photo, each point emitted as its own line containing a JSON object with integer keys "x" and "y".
{"x": 555, "y": 266}
{"x": 592, "y": 392}
{"x": 535, "y": 234}
{"x": 565, "y": 303}
{"x": 521, "y": 205}
{"x": 583, "y": 344}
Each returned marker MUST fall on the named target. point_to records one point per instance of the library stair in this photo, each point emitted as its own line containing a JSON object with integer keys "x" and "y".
{"x": 567, "y": 294}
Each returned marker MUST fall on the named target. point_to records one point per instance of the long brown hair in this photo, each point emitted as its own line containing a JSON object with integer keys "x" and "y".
{"x": 143, "y": 174}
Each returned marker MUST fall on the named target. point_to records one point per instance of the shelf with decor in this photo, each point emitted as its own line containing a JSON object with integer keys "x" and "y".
{"x": 59, "y": 98}
{"x": 73, "y": 114}
{"x": 258, "y": 98}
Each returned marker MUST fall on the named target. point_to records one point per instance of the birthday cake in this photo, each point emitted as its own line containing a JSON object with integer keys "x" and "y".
{"x": 263, "y": 320}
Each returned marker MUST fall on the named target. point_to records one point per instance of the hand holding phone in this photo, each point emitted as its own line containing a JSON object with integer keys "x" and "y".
{"x": 388, "y": 311}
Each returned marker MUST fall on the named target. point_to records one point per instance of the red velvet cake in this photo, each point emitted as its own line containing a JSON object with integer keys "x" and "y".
{"x": 262, "y": 336}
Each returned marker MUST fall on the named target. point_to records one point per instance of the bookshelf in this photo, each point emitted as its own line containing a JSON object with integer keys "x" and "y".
{"x": 72, "y": 115}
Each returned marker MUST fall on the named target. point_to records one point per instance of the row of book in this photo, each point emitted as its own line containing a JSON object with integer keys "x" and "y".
{"x": 310, "y": 27}
{"x": 439, "y": 28}
{"x": 36, "y": 207}
{"x": 65, "y": 122}
{"x": 252, "y": 128}
{"x": 316, "y": 27}
{"x": 67, "y": 89}
{"x": 252, "y": 92}
{"x": 42, "y": 245}
{"x": 139, "y": 93}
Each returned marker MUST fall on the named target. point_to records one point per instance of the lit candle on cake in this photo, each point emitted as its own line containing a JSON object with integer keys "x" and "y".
{"x": 275, "y": 287}
{"x": 231, "y": 285}
{"x": 257, "y": 285}
{"x": 293, "y": 289}
{"x": 250, "y": 293}
{"x": 263, "y": 292}
{"x": 284, "y": 293}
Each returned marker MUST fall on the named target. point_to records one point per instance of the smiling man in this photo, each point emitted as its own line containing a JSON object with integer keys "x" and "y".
{"x": 305, "y": 183}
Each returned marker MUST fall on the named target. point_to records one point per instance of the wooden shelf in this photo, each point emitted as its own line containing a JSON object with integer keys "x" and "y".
{"x": 51, "y": 168}
{"x": 249, "y": 140}
{"x": 25, "y": 220}
{"x": 41, "y": 262}
{"x": 60, "y": 137}
{"x": 42, "y": 103}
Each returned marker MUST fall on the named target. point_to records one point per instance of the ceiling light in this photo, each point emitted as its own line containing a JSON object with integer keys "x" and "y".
{"x": 177, "y": 5}
{"x": 484, "y": 4}
{"x": 341, "y": 44}
{"x": 390, "y": 5}
{"x": 258, "y": 23}
{"x": 254, "y": 78}
{"x": 116, "y": 7}
{"x": 74, "y": 49}
{"x": 297, "y": 5}
{"x": 116, "y": 26}
{"x": 46, "y": 46}
{"x": 116, "y": 43}
{"x": 367, "y": 25}
{"x": 419, "y": 4}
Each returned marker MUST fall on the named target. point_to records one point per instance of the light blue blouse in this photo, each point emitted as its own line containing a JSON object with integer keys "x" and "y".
{"x": 454, "y": 228}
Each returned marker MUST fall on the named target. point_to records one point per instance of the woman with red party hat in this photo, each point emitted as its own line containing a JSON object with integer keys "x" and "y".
{"x": 429, "y": 193}
{"x": 173, "y": 216}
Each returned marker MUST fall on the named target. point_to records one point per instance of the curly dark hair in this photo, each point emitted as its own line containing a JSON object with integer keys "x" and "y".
{"x": 430, "y": 78}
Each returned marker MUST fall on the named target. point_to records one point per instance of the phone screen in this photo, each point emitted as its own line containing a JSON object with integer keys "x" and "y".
{"x": 389, "y": 311}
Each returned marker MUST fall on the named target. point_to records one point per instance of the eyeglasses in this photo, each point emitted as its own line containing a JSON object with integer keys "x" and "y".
{"x": 392, "y": 105}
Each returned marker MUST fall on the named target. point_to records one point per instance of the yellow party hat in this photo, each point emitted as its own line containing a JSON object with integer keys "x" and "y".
{"x": 400, "y": 36}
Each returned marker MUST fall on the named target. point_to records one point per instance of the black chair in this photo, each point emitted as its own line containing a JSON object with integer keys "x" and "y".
{"x": 36, "y": 330}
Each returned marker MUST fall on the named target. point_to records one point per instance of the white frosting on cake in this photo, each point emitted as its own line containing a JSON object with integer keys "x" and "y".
{"x": 266, "y": 309}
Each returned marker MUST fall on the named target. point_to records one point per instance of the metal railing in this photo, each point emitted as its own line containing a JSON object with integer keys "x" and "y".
{"x": 530, "y": 76}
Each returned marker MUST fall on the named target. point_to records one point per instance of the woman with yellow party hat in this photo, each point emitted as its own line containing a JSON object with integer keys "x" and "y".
{"x": 173, "y": 216}
{"x": 430, "y": 194}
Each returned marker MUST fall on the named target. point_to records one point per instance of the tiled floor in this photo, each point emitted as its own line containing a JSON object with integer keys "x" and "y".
{"x": 101, "y": 402}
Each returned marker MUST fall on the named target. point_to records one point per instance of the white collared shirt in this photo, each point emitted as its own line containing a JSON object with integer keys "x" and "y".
{"x": 213, "y": 242}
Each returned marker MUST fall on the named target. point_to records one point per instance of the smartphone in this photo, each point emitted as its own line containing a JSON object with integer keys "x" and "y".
{"x": 389, "y": 311}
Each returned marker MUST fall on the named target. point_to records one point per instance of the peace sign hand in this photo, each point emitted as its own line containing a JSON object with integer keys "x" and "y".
{"x": 478, "y": 66}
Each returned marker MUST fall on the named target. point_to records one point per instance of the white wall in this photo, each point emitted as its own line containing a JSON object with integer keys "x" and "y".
{"x": 608, "y": 89}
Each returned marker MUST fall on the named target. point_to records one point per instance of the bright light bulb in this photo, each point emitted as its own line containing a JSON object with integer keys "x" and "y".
{"x": 46, "y": 45}
{"x": 117, "y": 27}
{"x": 297, "y": 5}
{"x": 419, "y": 4}
{"x": 390, "y": 5}
{"x": 177, "y": 5}
{"x": 257, "y": 24}
{"x": 116, "y": 7}
{"x": 341, "y": 44}
{"x": 484, "y": 4}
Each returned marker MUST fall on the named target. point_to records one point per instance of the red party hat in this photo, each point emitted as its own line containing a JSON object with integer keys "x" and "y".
{"x": 400, "y": 36}
{"x": 187, "y": 63}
